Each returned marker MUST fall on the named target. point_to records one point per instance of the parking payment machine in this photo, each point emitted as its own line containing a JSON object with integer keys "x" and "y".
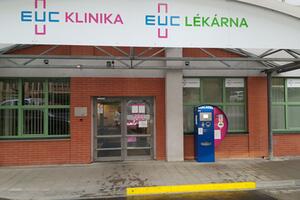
{"x": 204, "y": 134}
{"x": 211, "y": 126}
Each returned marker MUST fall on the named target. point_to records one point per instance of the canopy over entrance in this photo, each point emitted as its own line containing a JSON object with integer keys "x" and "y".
{"x": 262, "y": 60}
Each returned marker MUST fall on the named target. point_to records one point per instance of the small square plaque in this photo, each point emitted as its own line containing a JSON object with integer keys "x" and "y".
{"x": 80, "y": 111}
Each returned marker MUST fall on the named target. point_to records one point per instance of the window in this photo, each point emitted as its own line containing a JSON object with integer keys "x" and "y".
{"x": 285, "y": 104}
{"x": 226, "y": 93}
{"x": 34, "y": 108}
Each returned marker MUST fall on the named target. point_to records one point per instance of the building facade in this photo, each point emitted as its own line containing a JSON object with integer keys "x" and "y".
{"x": 78, "y": 115}
{"x": 83, "y": 83}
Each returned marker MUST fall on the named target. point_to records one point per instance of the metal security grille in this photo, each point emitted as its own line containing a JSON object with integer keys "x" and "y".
{"x": 59, "y": 121}
{"x": 31, "y": 108}
{"x": 33, "y": 91}
{"x": 59, "y": 93}
{"x": 33, "y": 122}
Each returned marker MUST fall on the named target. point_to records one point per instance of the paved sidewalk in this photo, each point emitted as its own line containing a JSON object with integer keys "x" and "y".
{"x": 111, "y": 179}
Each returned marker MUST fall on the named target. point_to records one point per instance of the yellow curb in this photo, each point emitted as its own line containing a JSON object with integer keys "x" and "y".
{"x": 190, "y": 188}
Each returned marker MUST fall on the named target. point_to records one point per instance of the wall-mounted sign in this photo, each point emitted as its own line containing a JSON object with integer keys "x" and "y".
{"x": 167, "y": 23}
{"x": 80, "y": 111}
{"x": 191, "y": 83}
{"x": 234, "y": 82}
{"x": 221, "y": 125}
{"x": 293, "y": 83}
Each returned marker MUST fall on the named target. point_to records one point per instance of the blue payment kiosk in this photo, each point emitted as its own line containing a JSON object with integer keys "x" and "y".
{"x": 204, "y": 134}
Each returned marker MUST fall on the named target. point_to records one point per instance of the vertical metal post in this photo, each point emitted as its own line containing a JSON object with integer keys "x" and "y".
{"x": 131, "y": 54}
{"x": 270, "y": 132}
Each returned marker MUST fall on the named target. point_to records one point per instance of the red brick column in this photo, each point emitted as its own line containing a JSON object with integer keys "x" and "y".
{"x": 258, "y": 116}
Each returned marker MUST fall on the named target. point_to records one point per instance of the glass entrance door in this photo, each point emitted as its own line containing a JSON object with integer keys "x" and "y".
{"x": 139, "y": 129}
{"x": 108, "y": 136}
{"x": 124, "y": 129}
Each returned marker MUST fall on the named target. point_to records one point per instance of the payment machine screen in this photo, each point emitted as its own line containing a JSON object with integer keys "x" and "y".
{"x": 205, "y": 116}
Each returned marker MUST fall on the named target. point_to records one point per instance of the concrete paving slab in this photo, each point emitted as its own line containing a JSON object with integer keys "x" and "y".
{"x": 112, "y": 179}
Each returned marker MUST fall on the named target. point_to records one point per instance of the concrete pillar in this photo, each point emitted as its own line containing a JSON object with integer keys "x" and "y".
{"x": 174, "y": 112}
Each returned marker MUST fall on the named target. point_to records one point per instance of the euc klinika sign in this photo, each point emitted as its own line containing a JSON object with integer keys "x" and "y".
{"x": 167, "y": 23}
{"x": 164, "y": 21}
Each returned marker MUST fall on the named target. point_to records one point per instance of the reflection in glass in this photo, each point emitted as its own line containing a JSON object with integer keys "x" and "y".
{"x": 278, "y": 90}
{"x": 58, "y": 121}
{"x": 235, "y": 95}
{"x": 293, "y": 117}
{"x": 191, "y": 95}
{"x": 236, "y": 117}
{"x": 278, "y": 118}
{"x": 108, "y": 153}
{"x": 33, "y": 92}
{"x": 138, "y": 152}
{"x": 109, "y": 118}
{"x": 294, "y": 94}
{"x": 8, "y": 92}
{"x": 104, "y": 143}
{"x": 213, "y": 90}
{"x": 134, "y": 141}
{"x": 188, "y": 119}
{"x": 108, "y": 140}
{"x": 59, "y": 93}
{"x": 9, "y": 122}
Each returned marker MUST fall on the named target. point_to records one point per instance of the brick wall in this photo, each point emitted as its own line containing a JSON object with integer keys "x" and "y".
{"x": 38, "y": 152}
{"x": 258, "y": 116}
{"x": 286, "y": 144}
{"x": 233, "y": 146}
{"x": 84, "y": 89}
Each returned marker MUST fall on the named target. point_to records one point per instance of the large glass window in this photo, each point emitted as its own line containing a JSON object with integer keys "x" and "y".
{"x": 227, "y": 93}
{"x": 285, "y": 104}
{"x": 31, "y": 108}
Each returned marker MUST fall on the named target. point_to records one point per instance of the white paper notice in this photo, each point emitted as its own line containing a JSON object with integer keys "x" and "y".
{"x": 200, "y": 131}
{"x": 217, "y": 134}
{"x": 142, "y": 109}
{"x": 191, "y": 83}
{"x": 134, "y": 109}
{"x": 143, "y": 124}
{"x": 293, "y": 83}
{"x": 234, "y": 82}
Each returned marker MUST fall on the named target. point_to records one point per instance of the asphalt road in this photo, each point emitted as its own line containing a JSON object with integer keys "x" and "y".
{"x": 243, "y": 195}
{"x": 269, "y": 194}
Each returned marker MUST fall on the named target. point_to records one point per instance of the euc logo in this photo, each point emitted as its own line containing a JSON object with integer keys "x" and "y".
{"x": 40, "y": 17}
{"x": 162, "y": 20}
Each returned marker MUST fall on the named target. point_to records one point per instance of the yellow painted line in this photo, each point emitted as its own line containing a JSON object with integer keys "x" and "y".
{"x": 190, "y": 188}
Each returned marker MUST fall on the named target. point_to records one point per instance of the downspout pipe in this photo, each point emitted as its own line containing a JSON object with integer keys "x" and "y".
{"x": 270, "y": 132}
